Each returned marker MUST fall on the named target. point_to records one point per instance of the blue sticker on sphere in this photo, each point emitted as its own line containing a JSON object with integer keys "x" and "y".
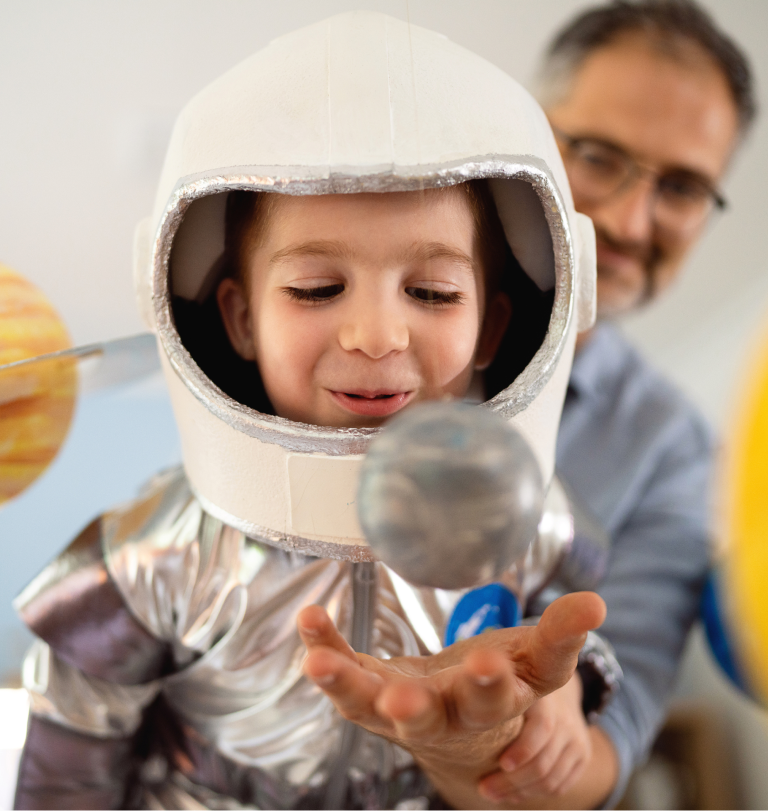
{"x": 484, "y": 609}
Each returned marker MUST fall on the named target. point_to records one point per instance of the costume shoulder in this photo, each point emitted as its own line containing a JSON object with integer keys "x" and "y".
{"x": 87, "y": 603}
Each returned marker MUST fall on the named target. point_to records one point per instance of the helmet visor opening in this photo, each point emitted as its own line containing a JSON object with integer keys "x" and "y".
{"x": 198, "y": 263}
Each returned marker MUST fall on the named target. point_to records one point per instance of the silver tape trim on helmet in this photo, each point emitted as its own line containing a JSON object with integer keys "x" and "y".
{"x": 287, "y": 180}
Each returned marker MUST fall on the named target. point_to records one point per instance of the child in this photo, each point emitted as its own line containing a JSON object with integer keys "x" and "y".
{"x": 320, "y": 262}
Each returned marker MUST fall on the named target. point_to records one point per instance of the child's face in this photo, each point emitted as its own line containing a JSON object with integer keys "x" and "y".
{"x": 358, "y": 305}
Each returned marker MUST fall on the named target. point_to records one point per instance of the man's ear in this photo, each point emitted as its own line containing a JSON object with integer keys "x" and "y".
{"x": 497, "y": 315}
{"x": 236, "y": 315}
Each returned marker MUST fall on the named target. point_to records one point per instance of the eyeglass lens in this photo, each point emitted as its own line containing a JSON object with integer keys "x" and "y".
{"x": 597, "y": 171}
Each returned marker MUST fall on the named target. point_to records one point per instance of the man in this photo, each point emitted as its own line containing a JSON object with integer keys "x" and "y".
{"x": 646, "y": 126}
{"x": 648, "y": 101}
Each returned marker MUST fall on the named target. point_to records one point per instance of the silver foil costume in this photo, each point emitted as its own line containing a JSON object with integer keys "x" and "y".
{"x": 193, "y": 613}
{"x": 161, "y": 622}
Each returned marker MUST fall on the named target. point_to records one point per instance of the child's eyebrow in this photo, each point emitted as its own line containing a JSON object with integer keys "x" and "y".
{"x": 419, "y": 251}
{"x": 327, "y": 248}
{"x": 424, "y": 251}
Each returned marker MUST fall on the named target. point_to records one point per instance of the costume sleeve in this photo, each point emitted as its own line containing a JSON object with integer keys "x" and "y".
{"x": 80, "y": 749}
{"x": 652, "y": 589}
{"x": 88, "y": 682}
{"x": 76, "y": 607}
{"x": 140, "y": 594}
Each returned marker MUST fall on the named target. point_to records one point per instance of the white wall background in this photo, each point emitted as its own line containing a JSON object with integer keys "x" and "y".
{"x": 89, "y": 90}
{"x": 88, "y": 93}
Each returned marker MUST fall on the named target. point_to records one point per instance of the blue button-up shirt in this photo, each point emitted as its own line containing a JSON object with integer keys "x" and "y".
{"x": 639, "y": 457}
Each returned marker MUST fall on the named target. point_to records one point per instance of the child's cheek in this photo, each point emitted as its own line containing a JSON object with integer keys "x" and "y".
{"x": 452, "y": 344}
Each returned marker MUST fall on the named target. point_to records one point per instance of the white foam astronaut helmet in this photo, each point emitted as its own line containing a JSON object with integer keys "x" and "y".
{"x": 360, "y": 102}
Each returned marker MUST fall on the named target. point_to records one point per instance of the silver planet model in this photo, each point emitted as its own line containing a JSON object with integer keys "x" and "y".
{"x": 450, "y": 495}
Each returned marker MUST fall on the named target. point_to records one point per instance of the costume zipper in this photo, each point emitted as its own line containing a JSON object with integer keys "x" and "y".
{"x": 363, "y": 608}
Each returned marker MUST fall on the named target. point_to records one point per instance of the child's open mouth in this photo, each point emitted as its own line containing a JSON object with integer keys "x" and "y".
{"x": 372, "y": 403}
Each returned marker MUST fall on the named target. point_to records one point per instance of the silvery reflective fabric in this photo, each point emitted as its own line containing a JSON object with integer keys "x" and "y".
{"x": 546, "y": 555}
{"x": 639, "y": 457}
{"x": 227, "y": 606}
{"x": 65, "y": 695}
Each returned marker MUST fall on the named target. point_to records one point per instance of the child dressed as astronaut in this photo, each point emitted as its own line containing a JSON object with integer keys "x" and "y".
{"x": 346, "y": 226}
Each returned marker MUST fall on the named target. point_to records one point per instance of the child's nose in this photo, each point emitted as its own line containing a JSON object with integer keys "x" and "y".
{"x": 375, "y": 330}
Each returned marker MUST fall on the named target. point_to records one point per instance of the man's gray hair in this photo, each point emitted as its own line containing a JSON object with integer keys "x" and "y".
{"x": 668, "y": 23}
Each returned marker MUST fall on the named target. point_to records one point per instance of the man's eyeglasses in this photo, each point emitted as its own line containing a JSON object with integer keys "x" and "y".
{"x": 598, "y": 169}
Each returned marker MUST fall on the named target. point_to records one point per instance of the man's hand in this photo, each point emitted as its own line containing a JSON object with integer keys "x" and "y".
{"x": 550, "y": 754}
{"x": 458, "y": 710}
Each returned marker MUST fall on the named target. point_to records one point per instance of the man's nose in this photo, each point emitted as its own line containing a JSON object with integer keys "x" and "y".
{"x": 629, "y": 216}
{"x": 376, "y": 329}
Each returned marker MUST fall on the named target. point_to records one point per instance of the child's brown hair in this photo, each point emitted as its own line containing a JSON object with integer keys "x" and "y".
{"x": 249, "y": 213}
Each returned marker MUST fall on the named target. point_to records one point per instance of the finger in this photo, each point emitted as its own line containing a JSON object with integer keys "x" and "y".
{"x": 498, "y": 787}
{"x": 554, "y": 774}
{"x": 536, "y": 734}
{"x": 486, "y": 691}
{"x": 414, "y": 711}
{"x": 570, "y": 617}
{"x": 543, "y": 771}
{"x": 573, "y": 776}
{"x": 553, "y": 649}
{"x": 352, "y": 688}
{"x": 316, "y": 629}
{"x": 541, "y": 777}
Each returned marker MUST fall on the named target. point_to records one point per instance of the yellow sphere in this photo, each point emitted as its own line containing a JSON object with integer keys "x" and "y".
{"x": 36, "y": 401}
{"x": 746, "y": 514}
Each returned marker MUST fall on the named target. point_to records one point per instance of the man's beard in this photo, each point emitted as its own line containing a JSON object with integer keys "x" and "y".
{"x": 647, "y": 254}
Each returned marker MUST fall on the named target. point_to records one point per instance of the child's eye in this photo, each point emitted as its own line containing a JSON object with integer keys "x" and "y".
{"x": 314, "y": 294}
{"x": 430, "y": 296}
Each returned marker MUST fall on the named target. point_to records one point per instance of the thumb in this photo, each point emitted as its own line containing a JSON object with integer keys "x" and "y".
{"x": 553, "y": 649}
